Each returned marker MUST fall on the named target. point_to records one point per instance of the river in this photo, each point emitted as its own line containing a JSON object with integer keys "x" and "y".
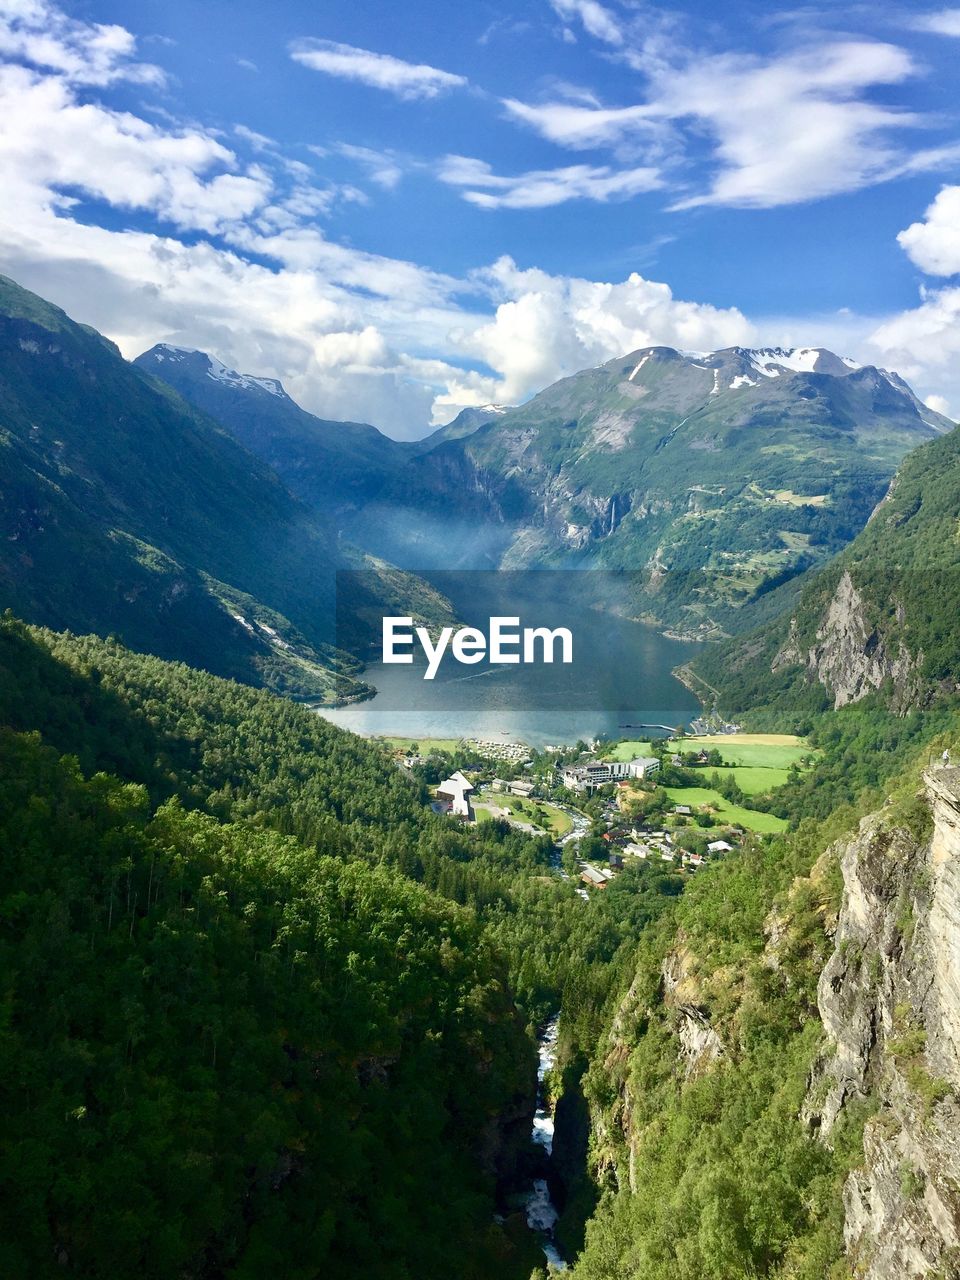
{"x": 542, "y": 1213}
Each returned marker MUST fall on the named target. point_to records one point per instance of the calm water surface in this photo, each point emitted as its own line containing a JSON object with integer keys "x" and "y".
{"x": 620, "y": 678}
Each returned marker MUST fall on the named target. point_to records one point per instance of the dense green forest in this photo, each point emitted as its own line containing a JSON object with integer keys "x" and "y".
{"x": 353, "y": 964}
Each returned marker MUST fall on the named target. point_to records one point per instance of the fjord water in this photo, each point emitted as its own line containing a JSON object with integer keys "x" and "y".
{"x": 621, "y": 677}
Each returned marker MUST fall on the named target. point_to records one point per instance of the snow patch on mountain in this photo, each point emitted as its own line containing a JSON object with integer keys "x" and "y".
{"x": 217, "y": 370}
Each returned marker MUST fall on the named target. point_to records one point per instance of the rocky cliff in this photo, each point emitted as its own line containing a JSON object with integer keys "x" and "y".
{"x": 889, "y": 998}
{"x": 850, "y": 655}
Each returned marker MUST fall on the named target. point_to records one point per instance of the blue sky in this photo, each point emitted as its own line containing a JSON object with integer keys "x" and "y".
{"x": 401, "y": 210}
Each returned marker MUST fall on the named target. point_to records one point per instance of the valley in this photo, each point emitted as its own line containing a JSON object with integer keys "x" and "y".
{"x": 266, "y": 993}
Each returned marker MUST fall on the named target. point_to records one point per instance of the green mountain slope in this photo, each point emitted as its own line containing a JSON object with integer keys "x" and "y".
{"x": 715, "y": 477}
{"x": 332, "y": 465}
{"x": 125, "y": 509}
{"x": 879, "y": 620}
{"x": 224, "y": 1054}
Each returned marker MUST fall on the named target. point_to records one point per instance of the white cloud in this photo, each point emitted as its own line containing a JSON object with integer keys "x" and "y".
{"x": 781, "y": 130}
{"x": 59, "y": 147}
{"x": 942, "y": 22}
{"x": 923, "y": 345}
{"x": 259, "y": 141}
{"x": 541, "y": 188}
{"x": 382, "y": 167}
{"x": 938, "y": 404}
{"x": 380, "y": 70}
{"x": 546, "y": 327}
{"x": 934, "y": 243}
{"x": 572, "y": 125}
{"x": 42, "y": 35}
{"x": 597, "y": 20}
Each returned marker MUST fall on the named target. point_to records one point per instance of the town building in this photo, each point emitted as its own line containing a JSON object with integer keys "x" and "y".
{"x": 454, "y": 794}
{"x": 597, "y": 773}
{"x": 595, "y": 878}
{"x": 524, "y": 789}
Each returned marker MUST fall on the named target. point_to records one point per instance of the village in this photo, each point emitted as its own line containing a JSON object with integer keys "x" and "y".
{"x": 681, "y": 801}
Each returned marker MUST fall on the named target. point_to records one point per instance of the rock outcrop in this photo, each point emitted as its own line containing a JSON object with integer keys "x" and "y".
{"x": 850, "y": 655}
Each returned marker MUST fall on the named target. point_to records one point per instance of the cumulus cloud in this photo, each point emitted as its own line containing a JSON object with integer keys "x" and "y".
{"x": 379, "y": 70}
{"x": 546, "y": 327}
{"x": 540, "y": 188}
{"x": 42, "y": 35}
{"x": 58, "y": 147}
{"x": 923, "y": 344}
{"x": 934, "y": 243}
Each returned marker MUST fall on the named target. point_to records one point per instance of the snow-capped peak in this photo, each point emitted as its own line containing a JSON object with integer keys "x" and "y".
{"x": 220, "y": 373}
{"x": 217, "y": 370}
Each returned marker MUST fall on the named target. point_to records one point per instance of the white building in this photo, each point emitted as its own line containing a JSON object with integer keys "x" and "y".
{"x": 596, "y": 773}
{"x": 455, "y": 791}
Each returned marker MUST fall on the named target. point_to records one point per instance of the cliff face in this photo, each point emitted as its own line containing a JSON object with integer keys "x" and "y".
{"x": 850, "y": 656}
{"x": 826, "y": 1017}
{"x": 889, "y": 998}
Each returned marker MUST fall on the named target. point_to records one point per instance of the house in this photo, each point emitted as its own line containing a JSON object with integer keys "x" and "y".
{"x": 637, "y": 850}
{"x": 693, "y": 860}
{"x": 455, "y": 793}
{"x": 594, "y": 878}
{"x": 498, "y": 784}
{"x": 719, "y": 846}
{"x": 682, "y": 810}
{"x": 524, "y": 789}
{"x": 616, "y": 859}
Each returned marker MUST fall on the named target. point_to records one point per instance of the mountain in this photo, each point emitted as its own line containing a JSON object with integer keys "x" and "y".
{"x": 716, "y": 477}
{"x": 879, "y": 619}
{"x": 328, "y": 464}
{"x": 125, "y": 509}
{"x": 464, "y": 424}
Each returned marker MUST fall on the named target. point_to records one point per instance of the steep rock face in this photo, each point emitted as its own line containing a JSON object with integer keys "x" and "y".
{"x": 889, "y": 998}
{"x": 850, "y": 656}
{"x": 699, "y": 1044}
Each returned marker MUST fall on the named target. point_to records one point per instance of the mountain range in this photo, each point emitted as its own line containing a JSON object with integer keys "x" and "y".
{"x": 202, "y": 514}
{"x": 715, "y": 477}
{"x": 125, "y": 509}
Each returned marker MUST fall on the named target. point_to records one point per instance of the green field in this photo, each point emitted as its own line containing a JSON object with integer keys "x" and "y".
{"x": 754, "y": 781}
{"x": 626, "y": 750}
{"x": 724, "y": 810}
{"x": 756, "y": 750}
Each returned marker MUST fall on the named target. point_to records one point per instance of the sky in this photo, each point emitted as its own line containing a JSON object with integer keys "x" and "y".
{"x": 403, "y": 210}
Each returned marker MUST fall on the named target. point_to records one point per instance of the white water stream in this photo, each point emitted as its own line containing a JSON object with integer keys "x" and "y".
{"x": 542, "y": 1213}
